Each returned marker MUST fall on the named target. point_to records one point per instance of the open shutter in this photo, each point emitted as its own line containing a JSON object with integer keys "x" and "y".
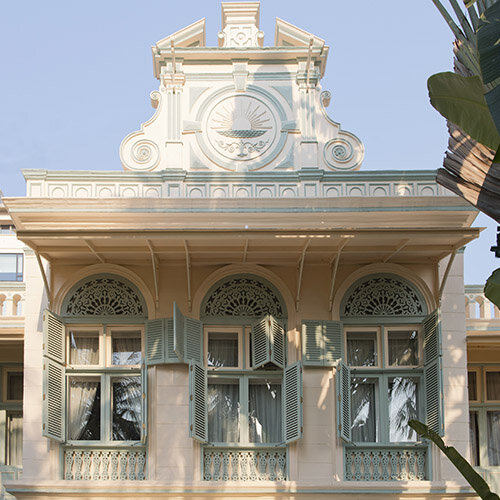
{"x": 144, "y": 407}
{"x": 179, "y": 340}
{"x": 292, "y": 402}
{"x": 155, "y": 341}
{"x": 268, "y": 342}
{"x": 321, "y": 342}
{"x": 54, "y": 377}
{"x": 433, "y": 373}
{"x": 193, "y": 337}
{"x": 344, "y": 402}
{"x": 198, "y": 405}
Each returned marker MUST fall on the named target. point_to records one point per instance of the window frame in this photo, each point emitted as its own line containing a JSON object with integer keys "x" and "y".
{"x": 104, "y": 372}
{"x": 5, "y": 383}
{"x": 243, "y": 346}
{"x": 19, "y": 271}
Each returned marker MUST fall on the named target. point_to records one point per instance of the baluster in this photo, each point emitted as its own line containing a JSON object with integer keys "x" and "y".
{"x": 403, "y": 473}
{"x": 216, "y": 473}
{"x": 411, "y": 465}
{"x": 358, "y": 458}
{"x": 272, "y": 466}
{"x": 367, "y": 460}
{"x": 262, "y": 457}
{"x": 282, "y": 472}
{"x": 141, "y": 473}
{"x": 68, "y": 464}
{"x": 253, "y": 466}
{"x": 96, "y": 465}
{"x": 123, "y": 465}
{"x": 131, "y": 466}
{"x": 114, "y": 465}
{"x": 207, "y": 473}
{"x": 105, "y": 465}
{"x": 234, "y": 466}
{"x": 385, "y": 466}
{"x": 394, "y": 465}
{"x": 87, "y": 460}
{"x": 78, "y": 465}
{"x": 348, "y": 464}
{"x": 244, "y": 465}
{"x": 376, "y": 466}
{"x": 421, "y": 455}
{"x": 225, "y": 465}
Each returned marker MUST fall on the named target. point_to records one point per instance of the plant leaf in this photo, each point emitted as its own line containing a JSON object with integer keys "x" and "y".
{"x": 492, "y": 288}
{"x": 460, "y": 99}
{"x": 469, "y": 3}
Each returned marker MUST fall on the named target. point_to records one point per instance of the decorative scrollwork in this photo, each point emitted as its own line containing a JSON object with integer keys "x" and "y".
{"x": 243, "y": 296}
{"x": 104, "y": 296}
{"x": 383, "y": 296}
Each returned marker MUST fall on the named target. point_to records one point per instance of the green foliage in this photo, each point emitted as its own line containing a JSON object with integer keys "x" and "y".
{"x": 478, "y": 484}
{"x": 460, "y": 99}
{"x": 492, "y": 288}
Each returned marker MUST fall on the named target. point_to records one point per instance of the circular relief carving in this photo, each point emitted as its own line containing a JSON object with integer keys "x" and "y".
{"x": 145, "y": 154}
{"x": 241, "y": 128}
{"x": 340, "y": 154}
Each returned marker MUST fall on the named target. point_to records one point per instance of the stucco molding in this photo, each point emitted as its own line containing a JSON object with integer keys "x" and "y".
{"x": 396, "y": 269}
{"x": 256, "y": 270}
{"x": 110, "y": 269}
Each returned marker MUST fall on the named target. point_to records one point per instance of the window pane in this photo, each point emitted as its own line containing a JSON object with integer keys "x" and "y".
{"x": 14, "y": 386}
{"x": 11, "y": 267}
{"x": 222, "y": 349}
{"x": 363, "y": 414}
{"x": 224, "y": 412}
{"x": 84, "y": 419}
{"x": 472, "y": 385}
{"x": 84, "y": 348}
{"x": 493, "y": 386}
{"x": 14, "y": 451}
{"x": 493, "y": 422}
{"x": 127, "y": 398}
{"x": 361, "y": 348}
{"x": 403, "y": 347}
{"x": 402, "y": 408}
{"x": 126, "y": 348}
{"x": 474, "y": 438}
{"x": 264, "y": 411}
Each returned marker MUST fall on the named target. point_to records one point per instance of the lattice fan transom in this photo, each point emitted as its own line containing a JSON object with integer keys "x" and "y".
{"x": 383, "y": 296}
{"x": 104, "y": 296}
{"x": 242, "y": 296}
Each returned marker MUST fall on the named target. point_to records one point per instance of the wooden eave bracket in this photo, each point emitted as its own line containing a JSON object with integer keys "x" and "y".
{"x": 188, "y": 274}
{"x": 245, "y": 252}
{"x": 94, "y": 251}
{"x": 335, "y": 263}
{"x": 445, "y": 276}
{"x": 156, "y": 270}
{"x": 300, "y": 272}
{"x": 44, "y": 275}
{"x": 400, "y": 247}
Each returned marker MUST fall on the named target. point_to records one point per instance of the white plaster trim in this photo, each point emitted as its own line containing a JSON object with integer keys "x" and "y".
{"x": 397, "y": 269}
{"x": 105, "y": 268}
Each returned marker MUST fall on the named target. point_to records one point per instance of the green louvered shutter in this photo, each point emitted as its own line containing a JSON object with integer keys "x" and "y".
{"x": 198, "y": 409}
{"x": 171, "y": 356}
{"x": 321, "y": 342}
{"x": 268, "y": 343}
{"x": 312, "y": 343}
{"x": 433, "y": 373}
{"x": 193, "y": 336}
{"x": 179, "y": 330}
{"x": 144, "y": 407}
{"x": 155, "y": 341}
{"x": 343, "y": 377}
{"x": 333, "y": 342}
{"x": 54, "y": 336}
{"x": 54, "y": 377}
{"x": 292, "y": 402}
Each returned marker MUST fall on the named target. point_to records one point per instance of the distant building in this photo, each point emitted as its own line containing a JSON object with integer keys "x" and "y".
{"x": 242, "y": 312}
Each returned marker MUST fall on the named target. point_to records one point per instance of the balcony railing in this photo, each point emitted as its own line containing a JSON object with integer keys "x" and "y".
{"x": 249, "y": 464}
{"x": 105, "y": 463}
{"x": 386, "y": 463}
{"x": 8, "y": 473}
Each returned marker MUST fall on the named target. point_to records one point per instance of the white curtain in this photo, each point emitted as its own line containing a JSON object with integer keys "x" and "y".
{"x": 473, "y": 438}
{"x": 223, "y": 413}
{"x": 126, "y": 351}
{"x": 265, "y": 413}
{"x": 493, "y": 386}
{"x": 127, "y": 408}
{"x": 222, "y": 352}
{"x": 82, "y": 406}
{"x": 84, "y": 349}
{"x": 493, "y": 422}
{"x": 402, "y": 409}
{"x": 402, "y": 348}
{"x": 363, "y": 411}
{"x": 15, "y": 440}
{"x": 360, "y": 351}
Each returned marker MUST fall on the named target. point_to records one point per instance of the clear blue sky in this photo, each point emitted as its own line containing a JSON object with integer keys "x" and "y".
{"x": 76, "y": 77}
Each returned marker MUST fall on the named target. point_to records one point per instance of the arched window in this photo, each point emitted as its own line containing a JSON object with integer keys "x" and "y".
{"x": 3, "y": 305}
{"x": 94, "y": 354}
{"x": 17, "y": 306}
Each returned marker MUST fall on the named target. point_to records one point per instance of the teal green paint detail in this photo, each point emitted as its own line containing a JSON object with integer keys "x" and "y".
{"x": 286, "y": 92}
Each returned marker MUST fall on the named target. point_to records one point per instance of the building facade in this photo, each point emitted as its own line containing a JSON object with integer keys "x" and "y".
{"x": 242, "y": 311}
